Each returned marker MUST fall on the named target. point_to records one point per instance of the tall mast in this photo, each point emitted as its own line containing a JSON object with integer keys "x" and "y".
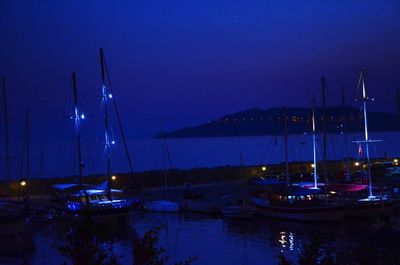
{"x": 324, "y": 124}
{"x": 6, "y": 129}
{"x": 105, "y": 97}
{"x": 345, "y": 131}
{"x": 77, "y": 117}
{"x": 365, "y": 98}
{"x": 41, "y": 170}
{"x": 314, "y": 145}
{"x": 120, "y": 123}
{"x": 286, "y": 146}
{"x": 27, "y": 143}
{"x": 164, "y": 149}
{"x": 398, "y": 101}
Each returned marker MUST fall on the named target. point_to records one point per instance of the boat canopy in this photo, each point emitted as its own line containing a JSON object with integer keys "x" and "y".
{"x": 347, "y": 187}
{"x": 95, "y": 192}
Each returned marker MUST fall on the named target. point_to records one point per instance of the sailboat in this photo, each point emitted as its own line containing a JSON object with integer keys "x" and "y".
{"x": 12, "y": 217}
{"x": 100, "y": 201}
{"x": 297, "y": 203}
{"x": 373, "y": 205}
{"x": 163, "y": 205}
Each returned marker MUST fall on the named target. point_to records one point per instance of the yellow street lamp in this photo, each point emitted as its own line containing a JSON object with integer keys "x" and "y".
{"x": 23, "y": 183}
{"x": 113, "y": 177}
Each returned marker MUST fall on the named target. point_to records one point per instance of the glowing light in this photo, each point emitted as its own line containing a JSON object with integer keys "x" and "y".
{"x": 110, "y": 95}
{"x": 113, "y": 177}
{"x": 356, "y": 164}
{"x": 264, "y": 168}
{"x": 396, "y": 160}
{"x": 112, "y": 142}
{"x": 83, "y": 116}
{"x": 312, "y": 165}
{"x": 23, "y": 183}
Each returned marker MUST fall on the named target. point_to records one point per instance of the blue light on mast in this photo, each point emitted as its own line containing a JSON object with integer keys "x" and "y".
{"x": 112, "y": 142}
{"x": 83, "y": 116}
{"x": 110, "y": 96}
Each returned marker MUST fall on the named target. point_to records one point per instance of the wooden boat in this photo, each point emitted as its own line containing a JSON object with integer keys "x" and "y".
{"x": 299, "y": 205}
{"x": 101, "y": 200}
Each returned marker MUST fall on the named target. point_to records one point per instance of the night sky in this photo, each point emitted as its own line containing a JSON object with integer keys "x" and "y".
{"x": 181, "y": 63}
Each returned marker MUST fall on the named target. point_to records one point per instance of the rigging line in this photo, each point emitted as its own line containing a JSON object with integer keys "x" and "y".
{"x": 119, "y": 120}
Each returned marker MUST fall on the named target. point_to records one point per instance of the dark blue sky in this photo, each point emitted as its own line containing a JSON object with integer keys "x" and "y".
{"x": 182, "y": 63}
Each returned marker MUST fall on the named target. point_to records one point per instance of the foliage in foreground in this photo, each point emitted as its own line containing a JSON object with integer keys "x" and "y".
{"x": 86, "y": 244}
{"x": 146, "y": 251}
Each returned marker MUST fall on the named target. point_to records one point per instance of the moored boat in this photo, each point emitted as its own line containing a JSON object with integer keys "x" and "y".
{"x": 372, "y": 205}
{"x": 299, "y": 205}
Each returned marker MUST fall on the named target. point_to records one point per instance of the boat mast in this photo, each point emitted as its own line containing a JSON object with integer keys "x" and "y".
{"x": 27, "y": 147}
{"x": 398, "y": 102}
{"x": 324, "y": 123}
{"x": 8, "y": 172}
{"x": 344, "y": 113}
{"x": 120, "y": 123}
{"x": 365, "y": 98}
{"x": 77, "y": 117}
{"x": 164, "y": 146}
{"x": 106, "y": 124}
{"x": 286, "y": 146}
{"x": 314, "y": 145}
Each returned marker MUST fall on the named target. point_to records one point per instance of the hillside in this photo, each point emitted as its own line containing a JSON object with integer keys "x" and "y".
{"x": 257, "y": 122}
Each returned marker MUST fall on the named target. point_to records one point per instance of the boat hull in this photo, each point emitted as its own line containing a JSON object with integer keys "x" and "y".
{"x": 309, "y": 214}
{"x": 368, "y": 210}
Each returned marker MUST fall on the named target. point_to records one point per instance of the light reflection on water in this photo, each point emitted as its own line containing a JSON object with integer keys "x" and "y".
{"x": 213, "y": 240}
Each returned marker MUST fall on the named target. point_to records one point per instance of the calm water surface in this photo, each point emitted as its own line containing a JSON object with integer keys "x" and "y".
{"x": 213, "y": 239}
{"x": 147, "y": 153}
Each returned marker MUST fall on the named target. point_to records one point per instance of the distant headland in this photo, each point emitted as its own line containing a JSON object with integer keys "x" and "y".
{"x": 259, "y": 122}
